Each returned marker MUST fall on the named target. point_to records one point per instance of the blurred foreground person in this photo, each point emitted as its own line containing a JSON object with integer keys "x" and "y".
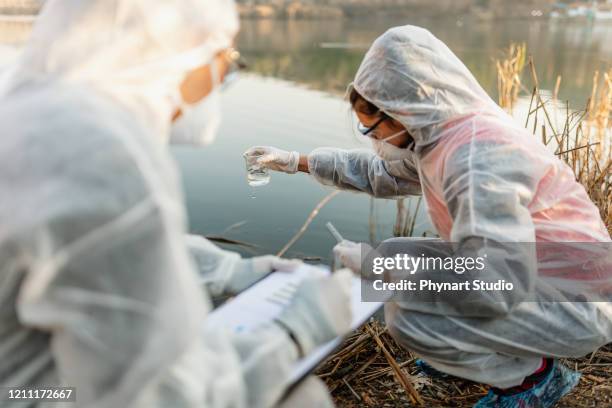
{"x": 490, "y": 185}
{"x": 98, "y": 290}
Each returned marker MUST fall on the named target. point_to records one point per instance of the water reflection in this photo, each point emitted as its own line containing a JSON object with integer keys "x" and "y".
{"x": 326, "y": 54}
{"x": 303, "y": 51}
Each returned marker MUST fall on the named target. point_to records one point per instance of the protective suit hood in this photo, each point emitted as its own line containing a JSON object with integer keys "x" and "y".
{"x": 136, "y": 51}
{"x": 416, "y": 79}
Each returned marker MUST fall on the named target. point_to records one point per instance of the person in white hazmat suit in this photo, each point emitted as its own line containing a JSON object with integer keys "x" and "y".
{"x": 488, "y": 184}
{"x": 98, "y": 289}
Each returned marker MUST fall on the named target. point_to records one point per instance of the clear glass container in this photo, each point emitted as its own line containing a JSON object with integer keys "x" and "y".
{"x": 257, "y": 175}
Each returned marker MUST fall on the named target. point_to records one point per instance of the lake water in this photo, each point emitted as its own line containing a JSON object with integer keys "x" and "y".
{"x": 293, "y": 99}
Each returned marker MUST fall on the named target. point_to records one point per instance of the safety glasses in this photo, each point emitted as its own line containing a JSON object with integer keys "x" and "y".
{"x": 367, "y": 131}
{"x": 235, "y": 64}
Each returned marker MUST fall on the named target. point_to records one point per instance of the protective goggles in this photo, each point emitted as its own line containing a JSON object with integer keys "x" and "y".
{"x": 235, "y": 64}
{"x": 367, "y": 131}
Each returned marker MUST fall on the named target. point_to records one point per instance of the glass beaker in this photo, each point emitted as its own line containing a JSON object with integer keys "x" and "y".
{"x": 257, "y": 175}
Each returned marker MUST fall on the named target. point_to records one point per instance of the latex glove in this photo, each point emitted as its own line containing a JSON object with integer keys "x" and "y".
{"x": 225, "y": 272}
{"x": 349, "y": 254}
{"x": 320, "y": 310}
{"x": 250, "y": 270}
{"x": 275, "y": 159}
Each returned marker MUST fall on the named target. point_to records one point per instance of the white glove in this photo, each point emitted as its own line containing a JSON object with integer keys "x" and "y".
{"x": 225, "y": 272}
{"x": 275, "y": 159}
{"x": 320, "y": 310}
{"x": 250, "y": 270}
{"x": 349, "y": 254}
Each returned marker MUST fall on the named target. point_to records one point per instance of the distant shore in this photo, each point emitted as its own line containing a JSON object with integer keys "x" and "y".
{"x": 363, "y": 8}
{"x": 336, "y": 9}
{"x": 19, "y": 7}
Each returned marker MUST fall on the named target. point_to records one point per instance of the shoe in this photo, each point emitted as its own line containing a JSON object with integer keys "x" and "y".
{"x": 559, "y": 381}
{"x": 430, "y": 371}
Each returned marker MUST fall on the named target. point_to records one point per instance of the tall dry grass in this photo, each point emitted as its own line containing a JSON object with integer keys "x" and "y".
{"x": 509, "y": 71}
{"x": 582, "y": 138}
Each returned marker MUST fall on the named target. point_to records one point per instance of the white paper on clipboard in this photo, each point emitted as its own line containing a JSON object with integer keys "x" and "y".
{"x": 265, "y": 300}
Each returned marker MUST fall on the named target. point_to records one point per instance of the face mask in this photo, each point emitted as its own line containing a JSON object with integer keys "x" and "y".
{"x": 389, "y": 152}
{"x": 199, "y": 122}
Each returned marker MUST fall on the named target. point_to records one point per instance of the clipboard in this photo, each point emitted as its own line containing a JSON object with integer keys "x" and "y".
{"x": 265, "y": 300}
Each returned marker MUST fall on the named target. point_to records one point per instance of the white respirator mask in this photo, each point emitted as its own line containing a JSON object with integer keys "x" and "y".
{"x": 199, "y": 122}
{"x": 389, "y": 152}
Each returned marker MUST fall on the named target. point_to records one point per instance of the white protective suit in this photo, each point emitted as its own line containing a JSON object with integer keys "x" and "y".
{"x": 97, "y": 288}
{"x": 486, "y": 182}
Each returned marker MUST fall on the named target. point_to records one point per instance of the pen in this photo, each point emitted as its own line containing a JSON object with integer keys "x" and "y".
{"x": 334, "y": 232}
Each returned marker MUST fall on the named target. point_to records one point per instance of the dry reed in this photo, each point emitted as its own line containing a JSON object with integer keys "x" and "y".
{"x": 509, "y": 71}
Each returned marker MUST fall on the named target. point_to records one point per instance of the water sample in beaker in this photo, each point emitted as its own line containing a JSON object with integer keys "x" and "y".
{"x": 257, "y": 175}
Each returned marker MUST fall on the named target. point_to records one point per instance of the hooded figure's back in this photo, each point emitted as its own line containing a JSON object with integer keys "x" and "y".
{"x": 98, "y": 291}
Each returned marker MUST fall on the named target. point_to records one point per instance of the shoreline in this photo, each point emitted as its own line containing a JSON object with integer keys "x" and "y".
{"x": 459, "y": 10}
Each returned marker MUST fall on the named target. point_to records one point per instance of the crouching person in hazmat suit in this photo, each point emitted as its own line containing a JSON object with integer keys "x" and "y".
{"x": 98, "y": 290}
{"x": 489, "y": 184}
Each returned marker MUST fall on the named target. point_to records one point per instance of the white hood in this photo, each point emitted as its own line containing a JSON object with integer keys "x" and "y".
{"x": 416, "y": 79}
{"x": 137, "y": 51}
